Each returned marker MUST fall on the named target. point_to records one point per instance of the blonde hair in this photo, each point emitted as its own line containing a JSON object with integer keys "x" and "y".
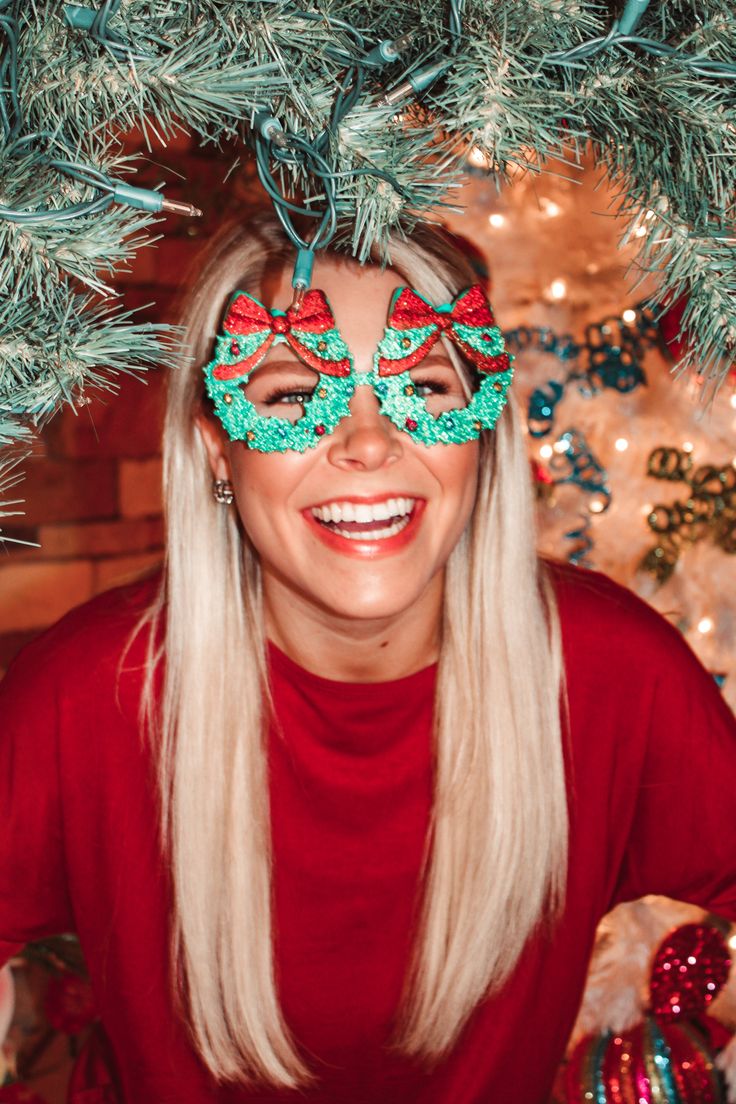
{"x": 497, "y": 852}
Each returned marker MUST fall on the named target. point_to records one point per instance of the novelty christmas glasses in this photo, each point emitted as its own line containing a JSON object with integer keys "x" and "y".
{"x": 299, "y": 394}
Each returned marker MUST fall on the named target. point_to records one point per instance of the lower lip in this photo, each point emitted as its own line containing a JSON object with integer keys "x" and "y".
{"x": 370, "y": 548}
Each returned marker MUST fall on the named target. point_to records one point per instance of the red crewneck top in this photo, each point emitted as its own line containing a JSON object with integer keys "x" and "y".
{"x": 652, "y": 774}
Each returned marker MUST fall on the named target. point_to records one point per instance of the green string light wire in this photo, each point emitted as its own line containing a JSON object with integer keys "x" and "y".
{"x": 273, "y": 143}
{"x": 95, "y": 23}
{"x": 622, "y": 34}
{"x": 106, "y": 190}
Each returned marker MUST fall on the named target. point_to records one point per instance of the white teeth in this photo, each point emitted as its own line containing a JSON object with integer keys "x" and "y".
{"x": 363, "y": 512}
{"x": 376, "y": 534}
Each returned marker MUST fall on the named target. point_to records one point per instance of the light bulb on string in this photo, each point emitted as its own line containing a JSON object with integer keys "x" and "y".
{"x": 705, "y": 625}
{"x": 687, "y": 446}
{"x": 546, "y": 452}
{"x": 621, "y": 444}
{"x": 732, "y": 400}
{"x": 496, "y": 221}
{"x": 629, "y": 316}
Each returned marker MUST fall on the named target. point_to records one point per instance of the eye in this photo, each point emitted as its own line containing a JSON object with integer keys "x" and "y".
{"x": 298, "y": 397}
{"x": 439, "y": 386}
{"x": 281, "y": 389}
{"x": 427, "y": 387}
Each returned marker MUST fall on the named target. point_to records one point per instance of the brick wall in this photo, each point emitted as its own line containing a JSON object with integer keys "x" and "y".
{"x": 92, "y": 485}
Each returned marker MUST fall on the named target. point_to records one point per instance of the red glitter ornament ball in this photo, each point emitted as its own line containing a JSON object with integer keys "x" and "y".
{"x": 69, "y": 1003}
{"x": 690, "y": 968}
{"x": 319, "y": 430}
{"x": 642, "y": 1064}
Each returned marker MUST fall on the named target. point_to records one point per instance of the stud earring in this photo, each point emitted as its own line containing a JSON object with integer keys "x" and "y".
{"x": 222, "y": 491}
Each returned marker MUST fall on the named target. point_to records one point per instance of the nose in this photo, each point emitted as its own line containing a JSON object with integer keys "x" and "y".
{"x": 367, "y": 440}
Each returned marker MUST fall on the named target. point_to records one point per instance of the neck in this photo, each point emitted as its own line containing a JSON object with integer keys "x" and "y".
{"x": 353, "y": 649}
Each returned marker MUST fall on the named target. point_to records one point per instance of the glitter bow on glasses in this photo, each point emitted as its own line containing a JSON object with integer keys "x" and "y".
{"x": 414, "y": 326}
{"x": 251, "y": 329}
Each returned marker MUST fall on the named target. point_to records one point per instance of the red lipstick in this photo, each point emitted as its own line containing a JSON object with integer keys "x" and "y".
{"x": 366, "y": 549}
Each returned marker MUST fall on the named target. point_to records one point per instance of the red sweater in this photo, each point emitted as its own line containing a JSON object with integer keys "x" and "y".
{"x": 652, "y": 780}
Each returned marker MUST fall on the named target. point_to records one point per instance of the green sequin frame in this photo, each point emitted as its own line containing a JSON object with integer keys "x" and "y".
{"x": 328, "y": 405}
{"x": 408, "y": 411}
{"x": 330, "y": 402}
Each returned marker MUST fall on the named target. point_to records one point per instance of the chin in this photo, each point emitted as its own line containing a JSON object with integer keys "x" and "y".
{"x": 375, "y": 606}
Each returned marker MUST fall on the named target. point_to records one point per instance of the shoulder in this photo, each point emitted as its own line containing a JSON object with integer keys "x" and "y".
{"x": 603, "y": 622}
{"x": 87, "y": 643}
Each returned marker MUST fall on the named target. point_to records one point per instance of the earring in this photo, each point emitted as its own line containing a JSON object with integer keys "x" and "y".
{"x": 222, "y": 491}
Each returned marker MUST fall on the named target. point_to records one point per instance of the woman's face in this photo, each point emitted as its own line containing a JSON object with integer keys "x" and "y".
{"x": 319, "y": 520}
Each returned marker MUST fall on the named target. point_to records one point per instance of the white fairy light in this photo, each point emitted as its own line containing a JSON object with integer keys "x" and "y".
{"x": 477, "y": 157}
{"x": 732, "y": 400}
{"x": 557, "y": 289}
{"x": 705, "y": 624}
{"x": 640, "y": 232}
{"x": 561, "y": 446}
{"x": 629, "y": 316}
{"x": 496, "y": 220}
{"x": 646, "y": 509}
{"x": 545, "y": 452}
{"x": 621, "y": 444}
{"x": 596, "y": 506}
{"x": 687, "y": 446}
{"x": 732, "y": 942}
{"x": 550, "y": 209}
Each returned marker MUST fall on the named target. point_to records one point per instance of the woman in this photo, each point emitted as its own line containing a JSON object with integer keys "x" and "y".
{"x": 331, "y": 824}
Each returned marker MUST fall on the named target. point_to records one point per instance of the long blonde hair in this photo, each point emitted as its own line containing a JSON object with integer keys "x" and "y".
{"x": 497, "y": 852}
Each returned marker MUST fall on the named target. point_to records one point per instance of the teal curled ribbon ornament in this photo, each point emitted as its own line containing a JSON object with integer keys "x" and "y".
{"x": 414, "y": 326}
{"x": 250, "y": 329}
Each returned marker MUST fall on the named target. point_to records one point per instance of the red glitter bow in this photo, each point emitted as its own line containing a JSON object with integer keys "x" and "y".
{"x": 410, "y": 311}
{"x": 247, "y": 317}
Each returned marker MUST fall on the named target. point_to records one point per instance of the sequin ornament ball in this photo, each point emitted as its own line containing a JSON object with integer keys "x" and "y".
{"x": 667, "y": 1058}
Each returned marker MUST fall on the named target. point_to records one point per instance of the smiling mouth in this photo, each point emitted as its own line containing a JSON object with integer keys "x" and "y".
{"x": 362, "y": 521}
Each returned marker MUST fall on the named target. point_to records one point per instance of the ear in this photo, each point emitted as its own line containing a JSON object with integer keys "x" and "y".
{"x": 216, "y": 443}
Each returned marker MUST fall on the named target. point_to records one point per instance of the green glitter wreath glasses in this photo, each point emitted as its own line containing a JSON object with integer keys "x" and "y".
{"x": 275, "y": 406}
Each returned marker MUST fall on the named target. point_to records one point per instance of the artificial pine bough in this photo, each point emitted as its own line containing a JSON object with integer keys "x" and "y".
{"x": 360, "y": 117}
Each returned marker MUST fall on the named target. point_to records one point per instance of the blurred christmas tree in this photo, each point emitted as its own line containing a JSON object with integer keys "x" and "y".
{"x": 594, "y": 379}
